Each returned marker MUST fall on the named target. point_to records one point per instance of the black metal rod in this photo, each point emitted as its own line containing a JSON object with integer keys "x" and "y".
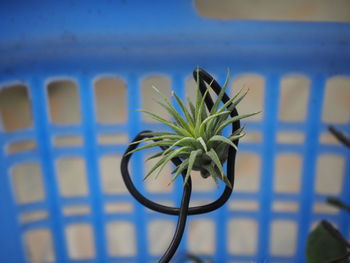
{"x": 184, "y": 208}
{"x": 181, "y": 223}
{"x": 340, "y": 136}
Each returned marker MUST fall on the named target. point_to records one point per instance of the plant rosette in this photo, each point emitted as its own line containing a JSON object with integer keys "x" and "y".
{"x": 196, "y": 134}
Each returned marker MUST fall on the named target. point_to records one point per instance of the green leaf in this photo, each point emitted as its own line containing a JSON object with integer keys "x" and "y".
{"x": 161, "y": 163}
{"x": 238, "y": 131}
{"x": 192, "y": 159}
{"x": 214, "y": 174}
{"x": 220, "y": 138}
{"x": 229, "y": 105}
{"x": 322, "y": 246}
{"x": 199, "y": 114}
{"x": 236, "y": 137}
{"x": 235, "y": 102}
{"x": 161, "y": 137}
{"x": 215, "y": 158}
{"x": 198, "y": 94}
{"x": 179, "y": 169}
{"x": 200, "y": 99}
{"x": 203, "y": 124}
{"x": 156, "y": 166}
{"x": 221, "y": 150}
{"x": 175, "y": 169}
{"x": 200, "y": 139}
{"x": 155, "y": 155}
{"x": 154, "y": 144}
{"x": 184, "y": 110}
{"x": 193, "y": 110}
{"x": 165, "y": 98}
{"x": 179, "y": 130}
{"x": 173, "y": 112}
{"x": 150, "y": 133}
{"x": 226, "y": 181}
{"x": 183, "y": 142}
{"x": 236, "y": 118}
{"x": 204, "y": 113}
{"x": 169, "y": 107}
{"x": 170, "y": 156}
{"x": 177, "y": 117}
{"x": 221, "y": 93}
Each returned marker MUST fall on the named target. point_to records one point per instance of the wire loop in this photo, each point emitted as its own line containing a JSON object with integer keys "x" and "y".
{"x": 184, "y": 210}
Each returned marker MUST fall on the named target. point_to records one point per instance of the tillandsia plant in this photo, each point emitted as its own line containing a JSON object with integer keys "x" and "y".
{"x": 195, "y": 141}
{"x": 196, "y": 135}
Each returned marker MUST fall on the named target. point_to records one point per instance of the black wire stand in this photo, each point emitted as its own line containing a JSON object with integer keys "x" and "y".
{"x": 184, "y": 210}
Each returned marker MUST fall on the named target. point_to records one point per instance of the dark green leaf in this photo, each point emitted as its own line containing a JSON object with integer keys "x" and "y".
{"x": 322, "y": 246}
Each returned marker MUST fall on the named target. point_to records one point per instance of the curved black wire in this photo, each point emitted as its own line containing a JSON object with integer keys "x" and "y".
{"x": 182, "y": 211}
{"x": 202, "y": 78}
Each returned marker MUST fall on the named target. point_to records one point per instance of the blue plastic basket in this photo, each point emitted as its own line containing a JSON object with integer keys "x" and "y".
{"x": 132, "y": 39}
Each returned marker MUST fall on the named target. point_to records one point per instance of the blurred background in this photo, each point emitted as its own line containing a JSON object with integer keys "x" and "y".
{"x": 111, "y": 107}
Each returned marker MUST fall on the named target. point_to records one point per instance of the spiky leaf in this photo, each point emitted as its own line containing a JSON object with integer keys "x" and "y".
{"x": 191, "y": 161}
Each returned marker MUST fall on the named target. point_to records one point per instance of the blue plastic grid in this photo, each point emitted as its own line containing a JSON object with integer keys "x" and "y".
{"x": 212, "y": 44}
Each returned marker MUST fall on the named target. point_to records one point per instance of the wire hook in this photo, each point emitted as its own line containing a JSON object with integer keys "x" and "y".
{"x": 201, "y": 77}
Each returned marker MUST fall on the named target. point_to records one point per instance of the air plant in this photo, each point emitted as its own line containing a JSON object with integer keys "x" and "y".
{"x": 196, "y": 135}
